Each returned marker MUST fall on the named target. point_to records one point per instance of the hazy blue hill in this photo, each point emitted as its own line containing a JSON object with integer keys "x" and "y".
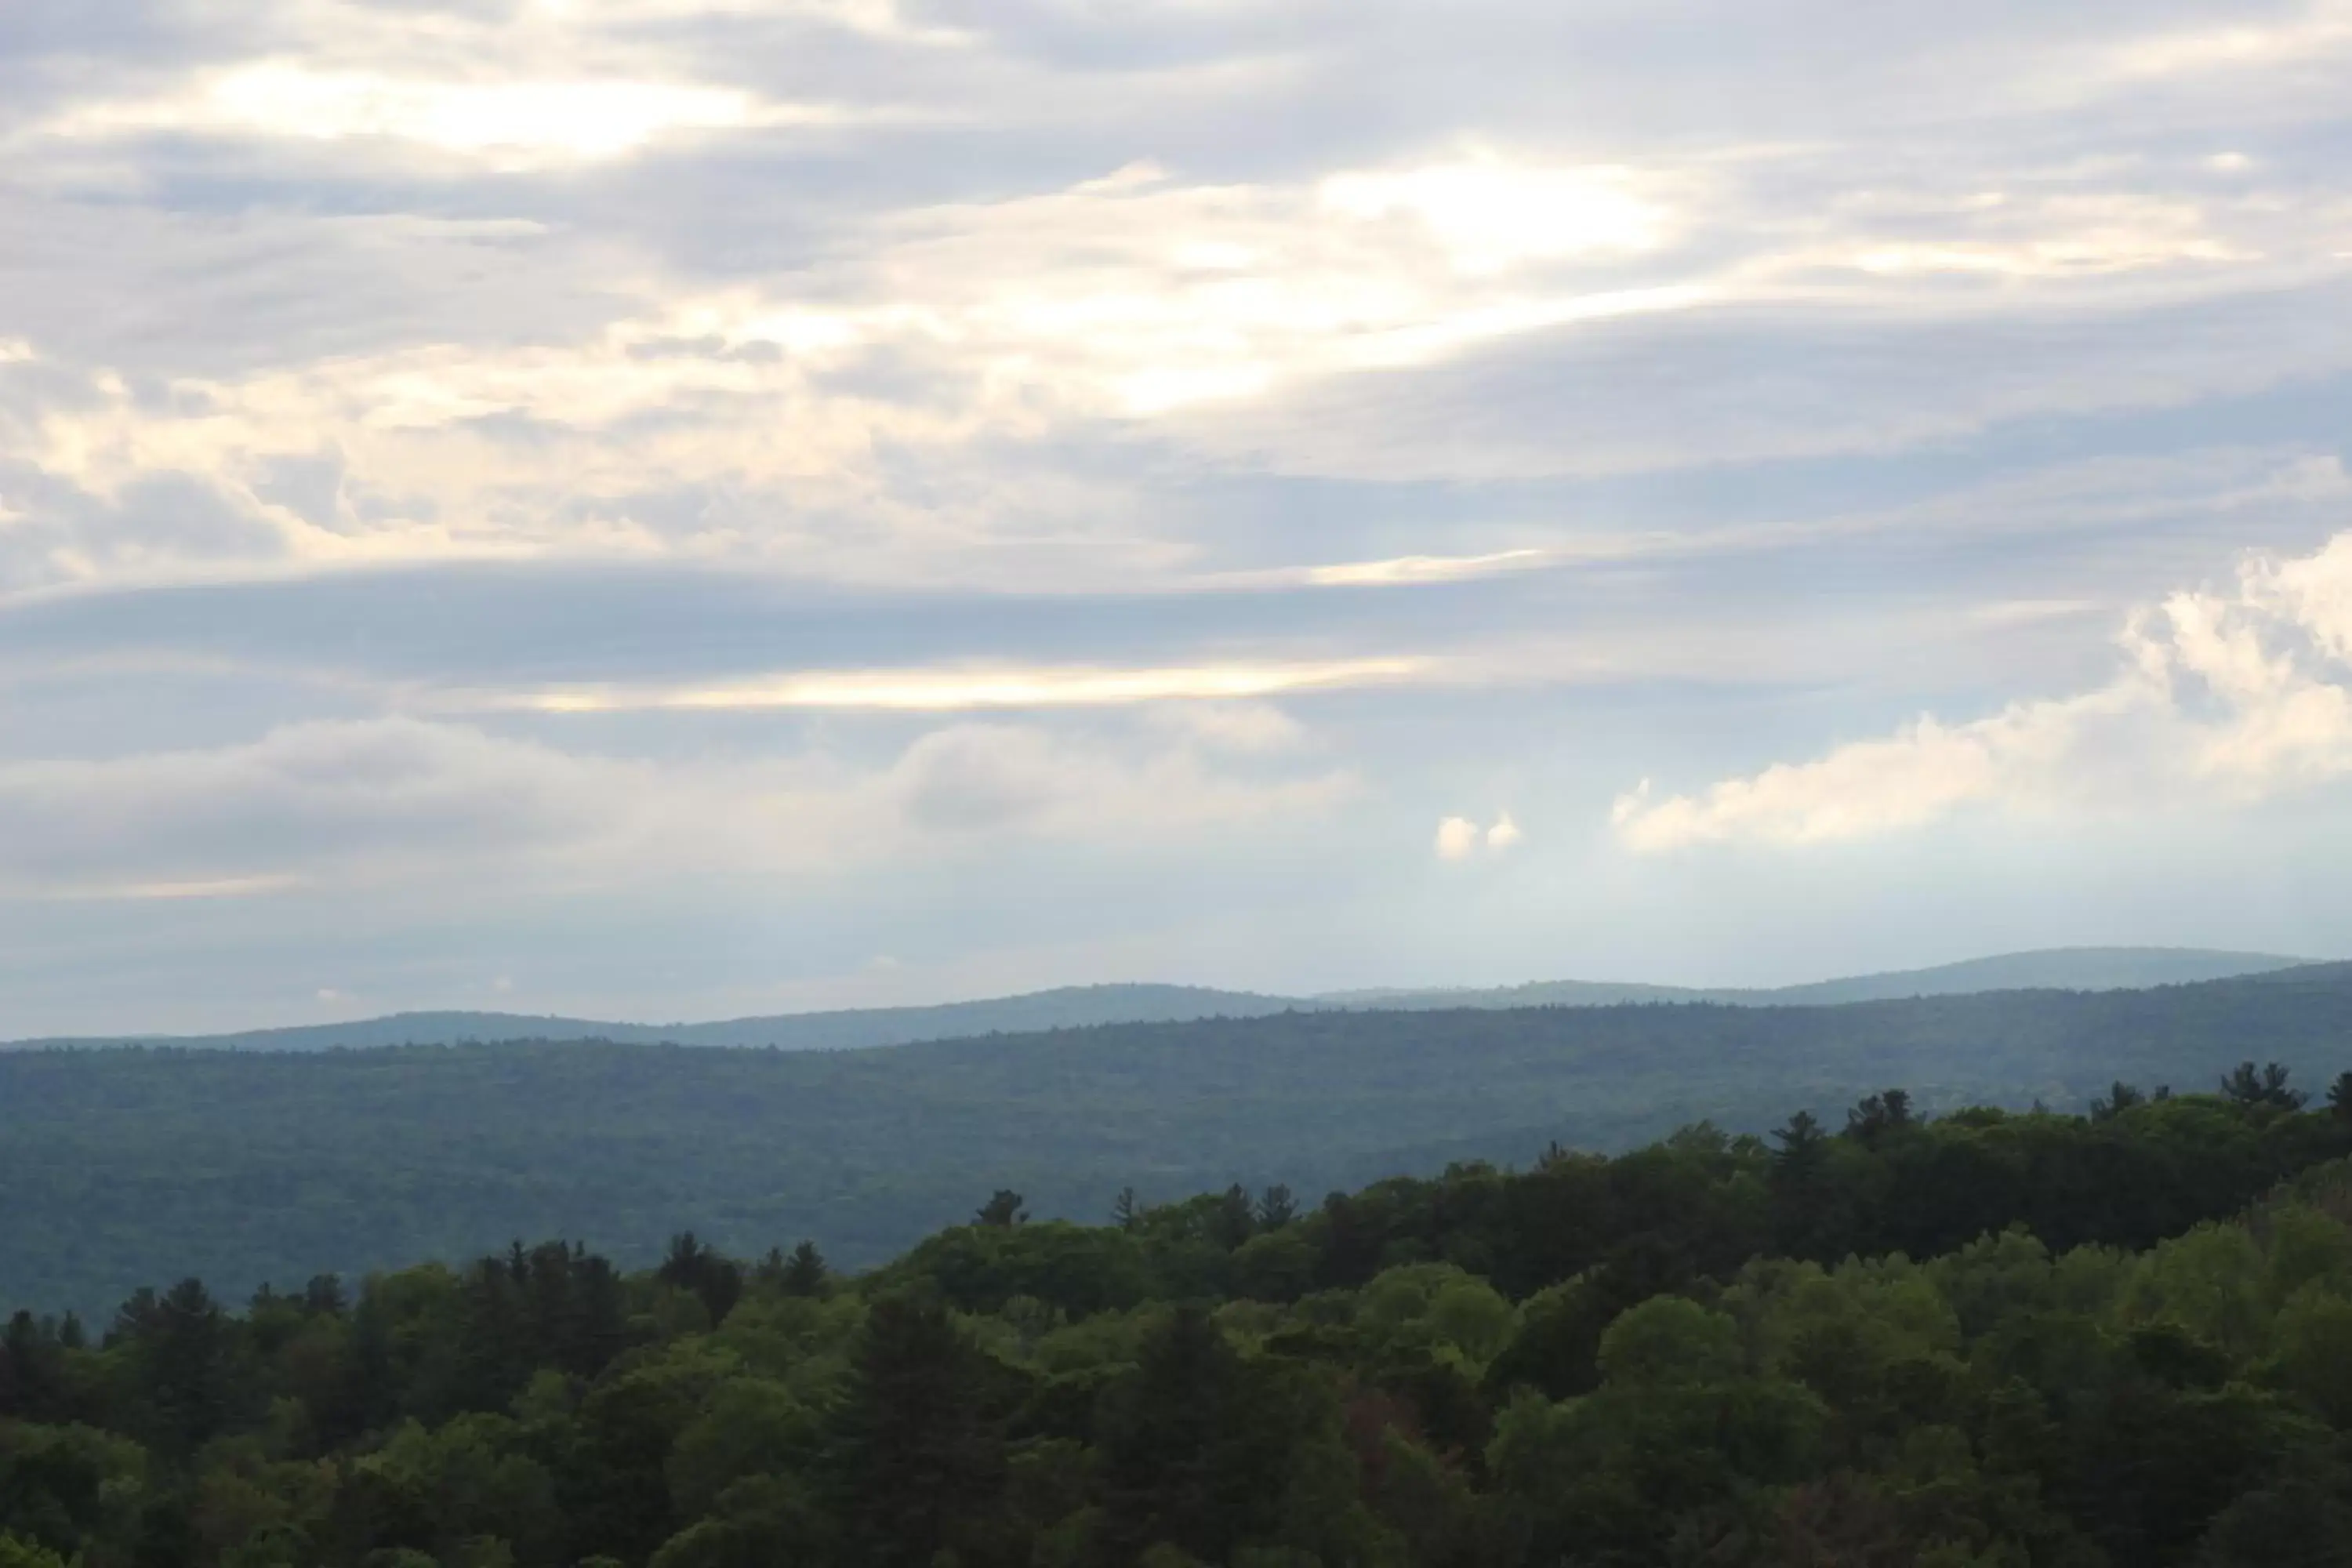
{"x": 124, "y": 1166}
{"x": 1086, "y": 1006}
{"x": 2050, "y": 969}
{"x": 1070, "y": 1008}
{"x": 1535, "y": 994}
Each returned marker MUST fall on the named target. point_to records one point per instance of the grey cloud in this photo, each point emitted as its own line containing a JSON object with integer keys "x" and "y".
{"x": 311, "y": 488}
{"x": 1587, "y": 74}
{"x": 302, "y": 799}
{"x": 183, "y": 293}
{"x": 64, "y": 533}
{"x": 971, "y": 777}
{"x": 2007, "y": 519}
{"x": 1757, "y": 384}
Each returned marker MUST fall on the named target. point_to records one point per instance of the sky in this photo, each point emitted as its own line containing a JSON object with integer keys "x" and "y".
{"x": 680, "y": 508}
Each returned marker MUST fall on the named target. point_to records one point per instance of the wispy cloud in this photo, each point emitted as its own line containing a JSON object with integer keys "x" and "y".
{"x": 950, "y": 690}
{"x": 511, "y": 123}
{"x": 204, "y": 887}
{"x": 1403, "y": 569}
{"x": 2219, "y": 48}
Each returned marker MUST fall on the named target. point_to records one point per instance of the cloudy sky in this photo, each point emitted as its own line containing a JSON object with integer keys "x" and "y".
{"x": 684, "y": 508}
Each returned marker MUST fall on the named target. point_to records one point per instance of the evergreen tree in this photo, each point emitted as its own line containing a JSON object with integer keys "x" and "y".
{"x": 691, "y": 1266}
{"x": 804, "y": 1273}
{"x": 1003, "y": 1210}
{"x": 2116, "y": 1101}
{"x": 2264, "y": 1088}
{"x": 1277, "y": 1207}
{"x": 922, "y": 1460}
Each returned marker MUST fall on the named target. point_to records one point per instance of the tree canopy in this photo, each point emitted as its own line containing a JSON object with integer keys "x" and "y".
{"x": 1978, "y": 1338}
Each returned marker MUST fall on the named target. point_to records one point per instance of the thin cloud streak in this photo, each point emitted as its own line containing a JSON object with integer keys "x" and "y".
{"x": 954, "y": 690}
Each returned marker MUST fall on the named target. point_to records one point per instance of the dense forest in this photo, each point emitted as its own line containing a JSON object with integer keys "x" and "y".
{"x": 124, "y": 1166}
{"x": 2122, "y": 1337}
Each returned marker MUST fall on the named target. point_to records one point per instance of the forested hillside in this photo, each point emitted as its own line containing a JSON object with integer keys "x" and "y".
{"x": 124, "y": 1165}
{"x": 1984, "y": 1339}
{"x": 854, "y": 1029}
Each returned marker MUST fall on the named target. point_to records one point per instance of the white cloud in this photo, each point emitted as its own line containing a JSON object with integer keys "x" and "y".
{"x": 2225, "y": 697}
{"x": 1459, "y": 838}
{"x": 1491, "y": 215}
{"x": 1245, "y": 728}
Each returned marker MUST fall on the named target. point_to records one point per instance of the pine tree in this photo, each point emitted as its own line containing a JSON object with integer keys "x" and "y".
{"x": 1277, "y": 1207}
{"x": 1003, "y": 1210}
{"x": 804, "y": 1273}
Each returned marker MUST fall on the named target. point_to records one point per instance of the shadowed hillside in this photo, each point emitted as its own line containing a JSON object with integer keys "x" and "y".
{"x": 259, "y": 1165}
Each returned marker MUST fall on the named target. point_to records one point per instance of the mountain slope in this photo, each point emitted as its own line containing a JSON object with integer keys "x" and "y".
{"x": 122, "y": 1165}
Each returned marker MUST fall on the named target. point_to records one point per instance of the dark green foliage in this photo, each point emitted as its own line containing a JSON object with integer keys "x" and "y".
{"x": 1003, "y": 1210}
{"x": 1983, "y": 1338}
{"x": 922, "y": 1463}
{"x": 716, "y": 1282}
{"x": 2118, "y": 1099}
{"x": 1196, "y": 1443}
{"x": 1277, "y": 1207}
{"x": 2266, "y": 1087}
{"x": 804, "y": 1273}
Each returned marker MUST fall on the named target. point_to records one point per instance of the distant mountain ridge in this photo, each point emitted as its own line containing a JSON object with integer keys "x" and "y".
{"x": 1086, "y": 1006}
{"x": 2045, "y": 969}
{"x": 1068, "y": 1007}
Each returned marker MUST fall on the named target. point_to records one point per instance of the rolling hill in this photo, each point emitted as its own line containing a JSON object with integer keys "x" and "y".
{"x": 1069, "y": 1007}
{"x": 1086, "y": 1006}
{"x": 122, "y": 1166}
